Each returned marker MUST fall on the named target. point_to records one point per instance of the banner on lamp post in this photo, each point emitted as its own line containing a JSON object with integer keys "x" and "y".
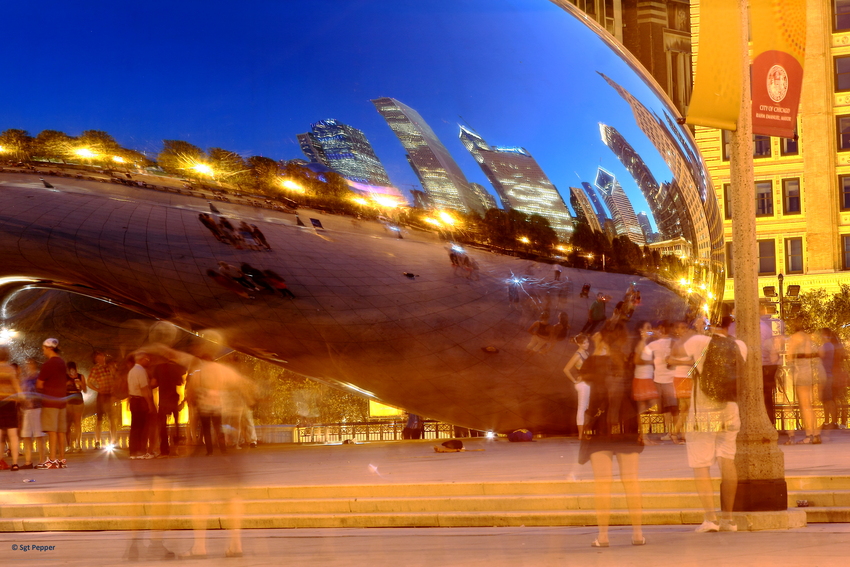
{"x": 716, "y": 97}
{"x": 779, "y": 48}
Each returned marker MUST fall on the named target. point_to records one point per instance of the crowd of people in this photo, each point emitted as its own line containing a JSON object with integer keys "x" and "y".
{"x": 43, "y": 404}
{"x": 687, "y": 372}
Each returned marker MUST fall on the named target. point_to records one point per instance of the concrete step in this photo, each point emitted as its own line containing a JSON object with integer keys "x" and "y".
{"x": 561, "y": 503}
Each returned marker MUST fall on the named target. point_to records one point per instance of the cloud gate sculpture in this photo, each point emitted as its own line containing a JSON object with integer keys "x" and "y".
{"x": 387, "y": 316}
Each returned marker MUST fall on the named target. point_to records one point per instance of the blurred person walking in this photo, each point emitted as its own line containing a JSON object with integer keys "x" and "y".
{"x": 806, "y": 368}
{"x": 52, "y": 385}
{"x": 142, "y": 407}
{"x": 169, "y": 377}
{"x": 657, "y": 352}
{"x": 595, "y": 314}
{"x": 611, "y": 430}
{"x": 713, "y": 419}
{"x": 683, "y": 384}
{"x": 827, "y": 353}
{"x": 644, "y": 390}
{"x": 75, "y": 386}
{"x": 102, "y": 380}
{"x": 839, "y": 377}
{"x": 10, "y": 390}
{"x": 31, "y": 414}
{"x": 573, "y": 370}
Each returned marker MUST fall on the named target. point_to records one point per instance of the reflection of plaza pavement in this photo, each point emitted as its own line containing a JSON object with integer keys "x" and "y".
{"x": 357, "y": 319}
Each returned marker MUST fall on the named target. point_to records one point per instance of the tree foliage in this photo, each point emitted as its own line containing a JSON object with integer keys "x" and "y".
{"x": 820, "y": 310}
{"x": 177, "y": 157}
{"x": 16, "y": 144}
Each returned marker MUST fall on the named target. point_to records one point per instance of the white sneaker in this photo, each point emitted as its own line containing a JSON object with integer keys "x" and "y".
{"x": 147, "y": 456}
{"x": 708, "y": 526}
{"x": 666, "y": 438}
{"x": 728, "y": 526}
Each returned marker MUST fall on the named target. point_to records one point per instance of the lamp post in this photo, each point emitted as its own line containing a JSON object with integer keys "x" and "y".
{"x": 781, "y": 279}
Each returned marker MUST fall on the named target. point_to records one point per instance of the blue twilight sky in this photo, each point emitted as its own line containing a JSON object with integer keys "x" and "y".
{"x": 249, "y": 76}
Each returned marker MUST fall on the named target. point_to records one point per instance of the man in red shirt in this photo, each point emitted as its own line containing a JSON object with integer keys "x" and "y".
{"x": 51, "y": 384}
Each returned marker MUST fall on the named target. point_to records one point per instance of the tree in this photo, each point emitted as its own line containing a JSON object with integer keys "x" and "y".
{"x": 16, "y": 144}
{"x": 265, "y": 172}
{"x": 820, "y": 310}
{"x": 52, "y": 144}
{"x": 178, "y": 157}
{"x": 543, "y": 237}
{"x": 229, "y": 166}
{"x": 335, "y": 186}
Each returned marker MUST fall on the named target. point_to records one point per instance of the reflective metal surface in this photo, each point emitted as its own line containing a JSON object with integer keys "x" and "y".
{"x": 392, "y": 317}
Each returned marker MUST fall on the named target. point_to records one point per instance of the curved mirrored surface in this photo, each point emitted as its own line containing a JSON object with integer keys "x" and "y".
{"x": 430, "y": 124}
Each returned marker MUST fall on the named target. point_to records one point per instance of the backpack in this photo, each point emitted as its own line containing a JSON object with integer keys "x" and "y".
{"x": 719, "y": 377}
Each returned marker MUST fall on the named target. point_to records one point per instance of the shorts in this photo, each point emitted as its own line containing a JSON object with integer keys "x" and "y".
{"x": 8, "y": 414}
{"x": 31, "y": 423}
{"x": 705, "y": 446}
{"x": 669, "y": 402}
{"x": 54, "y": 420}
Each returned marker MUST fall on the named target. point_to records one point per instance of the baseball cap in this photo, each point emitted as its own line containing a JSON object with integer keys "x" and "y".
{"x": 51, "y": 343}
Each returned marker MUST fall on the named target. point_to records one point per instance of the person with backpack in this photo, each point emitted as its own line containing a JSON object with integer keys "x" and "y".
{"x": 713, "y": 418}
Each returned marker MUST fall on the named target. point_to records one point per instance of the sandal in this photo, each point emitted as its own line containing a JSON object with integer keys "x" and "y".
{"x": 816, "y": 440}
{"x": 597, "y": 543}
{"x": 641, "y": 541}
{"x": 807, "y": 440}
{"x": 14, "y": 468}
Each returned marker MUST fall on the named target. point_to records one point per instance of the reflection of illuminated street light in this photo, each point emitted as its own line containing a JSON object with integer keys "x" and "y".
{"x": 85, "y": 153}
{"x": 291, "y": 185}
{"x": 6, "y": 335}
{"x": 360, "y": 201}
{"x": 447, "y": 218}
{"x": 434, "y": 222}
{"x": 385, "y": 201}
{"x": 118, "y": 159}
{"x": 524, "y": 240}
{"x": 203, "y": 169}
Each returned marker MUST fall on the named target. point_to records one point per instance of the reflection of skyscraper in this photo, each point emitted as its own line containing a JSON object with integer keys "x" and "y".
{"x": 519, "y": 181}
{"x": 440, "y": 176}
{"x": 643, "y": 221}
{"x": 666, "y": 211}
{"x": 345, "y": 150}
{"x": 601, "y": 214}
{"x": 584, "y": 209}
{"x": 622, "y": 212}
{"x": 687, "y": 191}
{"x": 486, "y": 198}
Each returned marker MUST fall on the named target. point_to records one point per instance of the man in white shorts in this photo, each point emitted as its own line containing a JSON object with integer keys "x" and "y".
{"x": 712, "y": 429}
{"x": 31, "y": 415}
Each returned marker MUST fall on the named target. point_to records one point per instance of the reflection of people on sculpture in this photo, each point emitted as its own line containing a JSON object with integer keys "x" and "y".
{"x": 611, "y": 429}
{"x": 539, "y": 331}
{"x": 657, "y": 352}
{"x": 229, "y": 284}
{"x": 573, "y": 370}
{"x": 806, "y": 369}
{"x": 557, "y": 332}
{"x": 211, "y": 225}
{"x": 682, "y": 382}
{"x": 278, "y": 283}
{"x": 596, "y": 314}
{"x": 260, "y": 237}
